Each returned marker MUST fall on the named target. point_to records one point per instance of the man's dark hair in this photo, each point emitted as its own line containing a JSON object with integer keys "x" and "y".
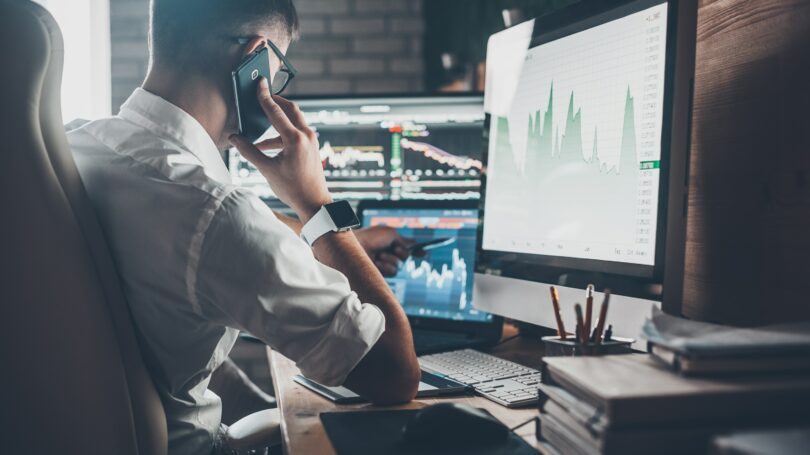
{"x": 179, "y": 27}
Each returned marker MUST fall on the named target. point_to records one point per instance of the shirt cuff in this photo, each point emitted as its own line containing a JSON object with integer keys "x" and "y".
{"x": 355, "y": 328}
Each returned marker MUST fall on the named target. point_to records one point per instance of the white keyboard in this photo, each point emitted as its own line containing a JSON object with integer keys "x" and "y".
{"x": 501, "y": 381}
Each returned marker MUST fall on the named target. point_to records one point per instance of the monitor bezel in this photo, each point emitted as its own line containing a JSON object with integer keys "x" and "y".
{"x": 479, "y": 96}
{"x": 472, "y": 97}
{"x": 635, "y": 280}
{"x": 486, "y": 329}
{"x": 394, "y": 95}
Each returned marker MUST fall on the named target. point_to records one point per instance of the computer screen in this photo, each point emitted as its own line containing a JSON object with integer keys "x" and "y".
{"x": 575, "y": 140}
{"x": 440, "y": 284}
{"x": 426, "y": 147}
{"x": 587, "y": 121}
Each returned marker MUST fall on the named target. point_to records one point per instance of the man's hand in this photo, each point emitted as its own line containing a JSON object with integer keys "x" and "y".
{"x": 385, "y": 247}
{"x": 295, "y": 174}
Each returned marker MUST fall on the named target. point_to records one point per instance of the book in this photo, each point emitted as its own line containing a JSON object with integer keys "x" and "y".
{"x": 709, "y": 365}
{"x": 635, "y": 390}
{"x": 694, "y": 339}
{"x": 590, "y": 418}
{"x": 564, "y": 435}
{"x": 591, "y": 436}
{"x": 563, "y": 439}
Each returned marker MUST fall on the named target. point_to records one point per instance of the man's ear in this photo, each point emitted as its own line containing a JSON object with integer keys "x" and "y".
{"x": 255, "y": 43}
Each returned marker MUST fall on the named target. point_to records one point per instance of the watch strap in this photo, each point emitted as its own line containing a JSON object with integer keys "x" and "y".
{"x": 320, "y": 224}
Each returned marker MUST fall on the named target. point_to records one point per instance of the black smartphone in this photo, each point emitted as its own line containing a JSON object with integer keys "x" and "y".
{"x": 252, "y": 120}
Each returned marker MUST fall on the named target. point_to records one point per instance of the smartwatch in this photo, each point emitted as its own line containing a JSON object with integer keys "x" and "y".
{"x": 335, "y": 217}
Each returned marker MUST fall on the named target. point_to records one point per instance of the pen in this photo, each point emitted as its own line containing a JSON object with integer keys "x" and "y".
{"x": 555, "y": 301}
{"x": 583, "y": 336}
{"x": 432, "y": 244}
{"x": 588, "y": 308}
{"x": 600, "y": 325}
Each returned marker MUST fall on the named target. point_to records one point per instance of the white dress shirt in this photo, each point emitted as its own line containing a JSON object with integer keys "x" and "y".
{"x": 201, "y": 259}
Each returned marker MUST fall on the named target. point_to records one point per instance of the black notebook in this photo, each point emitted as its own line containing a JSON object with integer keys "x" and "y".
{"x": 380, "y": 432}
{"x": 430, "y": 385}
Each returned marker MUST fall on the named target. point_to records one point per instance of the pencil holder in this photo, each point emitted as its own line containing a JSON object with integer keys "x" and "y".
{"x": 556, "y": 347}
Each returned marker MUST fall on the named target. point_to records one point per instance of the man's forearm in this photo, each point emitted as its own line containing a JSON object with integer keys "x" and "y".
{"x": 342, "y": 252}
{"x": 293, "y": 223}
{"x": 393, "y": 352}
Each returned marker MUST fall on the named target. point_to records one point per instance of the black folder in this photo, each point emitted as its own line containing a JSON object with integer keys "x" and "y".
{"x": 380, "y": 432}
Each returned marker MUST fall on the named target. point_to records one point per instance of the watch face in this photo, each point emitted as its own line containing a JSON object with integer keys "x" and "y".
{"x": 342, "y": 215}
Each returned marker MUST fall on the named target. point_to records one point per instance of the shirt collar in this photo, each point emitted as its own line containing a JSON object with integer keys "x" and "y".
{"x": 169, "y": 121}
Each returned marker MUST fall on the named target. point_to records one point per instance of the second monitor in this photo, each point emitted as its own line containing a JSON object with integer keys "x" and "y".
{"x": 394, "y": 147}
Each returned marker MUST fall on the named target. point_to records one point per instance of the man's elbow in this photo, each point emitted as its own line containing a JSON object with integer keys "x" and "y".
{"x": 400, "y": 387}
{"x": 388, "y": 374}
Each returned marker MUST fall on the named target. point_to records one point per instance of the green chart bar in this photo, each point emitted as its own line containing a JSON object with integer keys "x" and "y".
{"x": 396, "y": 154}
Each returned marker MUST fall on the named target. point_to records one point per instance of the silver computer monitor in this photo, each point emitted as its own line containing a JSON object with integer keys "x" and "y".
{"x": 587, "y": 117}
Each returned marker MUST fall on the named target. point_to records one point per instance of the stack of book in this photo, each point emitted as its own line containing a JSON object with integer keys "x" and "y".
{"x": 699, "y": 380}
{"x": 634, "y": 404}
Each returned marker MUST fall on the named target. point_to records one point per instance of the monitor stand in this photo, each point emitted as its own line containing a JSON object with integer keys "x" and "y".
{"x": 499, "y": 295}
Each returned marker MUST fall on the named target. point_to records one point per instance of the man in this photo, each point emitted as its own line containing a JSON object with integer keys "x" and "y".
{"x": 201, "y": 259}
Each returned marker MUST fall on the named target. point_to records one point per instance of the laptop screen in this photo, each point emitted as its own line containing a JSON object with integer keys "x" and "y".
{"x": 439, "y": 284}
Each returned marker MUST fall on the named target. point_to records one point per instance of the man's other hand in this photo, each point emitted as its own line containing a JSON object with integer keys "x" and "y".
{"x": 385, "y": 247}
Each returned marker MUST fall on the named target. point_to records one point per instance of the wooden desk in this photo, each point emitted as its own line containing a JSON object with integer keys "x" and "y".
{"x": 303, "y": 433}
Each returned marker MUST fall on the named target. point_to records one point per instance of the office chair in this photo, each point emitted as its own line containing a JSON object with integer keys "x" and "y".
{"x": 72, "y": 379}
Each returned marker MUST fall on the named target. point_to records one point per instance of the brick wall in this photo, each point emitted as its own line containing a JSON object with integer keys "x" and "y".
{"x": 128, "y": 26}
{"x": 359, "y": 46}
{"x": 347, "y": 46}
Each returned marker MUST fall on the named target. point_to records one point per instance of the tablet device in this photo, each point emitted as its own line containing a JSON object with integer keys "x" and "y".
{"x": 430, "y": 385}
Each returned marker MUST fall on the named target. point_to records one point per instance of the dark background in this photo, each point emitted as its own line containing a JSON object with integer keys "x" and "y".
{"x": 462, "y": 29}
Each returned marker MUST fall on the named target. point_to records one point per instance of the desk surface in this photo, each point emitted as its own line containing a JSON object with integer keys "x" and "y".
{"x": 303, "y": 433}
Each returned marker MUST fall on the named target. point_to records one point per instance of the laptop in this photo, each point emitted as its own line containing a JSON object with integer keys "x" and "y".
{"x": 436, "y": 290}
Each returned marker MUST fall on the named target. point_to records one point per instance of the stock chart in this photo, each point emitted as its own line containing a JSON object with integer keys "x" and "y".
{"x": 575, "y": 155}
{"x": 440, "y": 283}
{"x": 440, "y": 162}
{"x": 391, "y": 148}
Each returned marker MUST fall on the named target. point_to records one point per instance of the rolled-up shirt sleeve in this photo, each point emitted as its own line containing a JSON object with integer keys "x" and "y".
{"x": 255, "y": 274}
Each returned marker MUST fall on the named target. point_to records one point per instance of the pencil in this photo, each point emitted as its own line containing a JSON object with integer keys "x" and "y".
{"x": 583, "y": 337}
{"x": 555, "y": 301}
{"x": 588, "y": 309}
{"x": 600, "y": 326}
